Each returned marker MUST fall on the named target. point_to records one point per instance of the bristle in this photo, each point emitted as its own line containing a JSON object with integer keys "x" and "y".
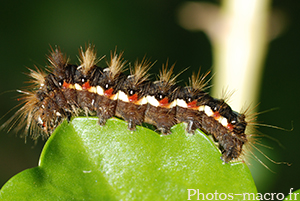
{"x": 88, "y": 59}
{"x": 38, "y": 77}
{"x": 29, "y": 110}
{"x": 227, "y": 94}
{"x": 57, "y": 59}
{"x": 116, "y": 65}
{"x": 139, "y": 72}
{"x": 166, "y": 75}
{"x": 24, "y": 117}
{"x": 198, "y": 82}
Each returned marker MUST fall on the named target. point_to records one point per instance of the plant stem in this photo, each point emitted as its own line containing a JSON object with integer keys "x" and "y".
{"x": 240, "y": 50}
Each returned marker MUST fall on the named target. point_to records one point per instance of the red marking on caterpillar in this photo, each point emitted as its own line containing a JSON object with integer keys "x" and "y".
{"x": 230, "y": 127}
{"x": 109, "y": 92}
{"x": 70, "y": 90}
{"x": 133, "y": 98}
{"x": 66, "y": 85}
{"x": 86, "y": 85}
{"x": 192, "y": 104}
{"x": 216, "y": 115}
{"x": 164, "y": 102}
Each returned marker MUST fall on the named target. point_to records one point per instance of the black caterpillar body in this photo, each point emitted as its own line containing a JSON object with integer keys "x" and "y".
{"x": 86, "y": 89}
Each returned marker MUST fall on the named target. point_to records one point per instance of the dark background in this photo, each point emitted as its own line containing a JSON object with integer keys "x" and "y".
{"x": 145, "y": 27}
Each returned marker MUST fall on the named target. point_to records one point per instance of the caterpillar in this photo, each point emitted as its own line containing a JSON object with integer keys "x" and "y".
{"x": 68, "y": 90}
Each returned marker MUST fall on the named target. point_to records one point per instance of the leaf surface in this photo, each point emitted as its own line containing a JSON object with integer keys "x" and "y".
{"x": 84, "y": 161}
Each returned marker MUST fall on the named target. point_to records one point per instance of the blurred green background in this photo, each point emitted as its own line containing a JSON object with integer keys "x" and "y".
{"x": 148, "y": 28}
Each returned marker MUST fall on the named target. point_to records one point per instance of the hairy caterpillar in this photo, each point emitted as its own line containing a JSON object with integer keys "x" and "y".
{"x": 86, "y": 89}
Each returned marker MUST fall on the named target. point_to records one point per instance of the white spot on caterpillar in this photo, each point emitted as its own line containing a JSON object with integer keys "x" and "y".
{"x": 208, "y": 111}
{"x": 173, "y": 104}
{"x": 93, "y": 89}
{"x": 114, "y": 96}
{"x": 142, "y": 101}
{"x": 223, "y": 121}
{"x": 152, "y": 101}
{"x": 78, "y": 87}
{"x": 71, "y": 86}
{"x": 100, "y": 90}
{"x": 122, "y": 96}
{"x": 181, "y": 103}
{"x": 58, "y": 114}
{"x": 201, "y": 108}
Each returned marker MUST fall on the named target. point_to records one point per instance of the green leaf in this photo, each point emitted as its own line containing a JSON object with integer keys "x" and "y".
{"x": 84, "y": 161}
